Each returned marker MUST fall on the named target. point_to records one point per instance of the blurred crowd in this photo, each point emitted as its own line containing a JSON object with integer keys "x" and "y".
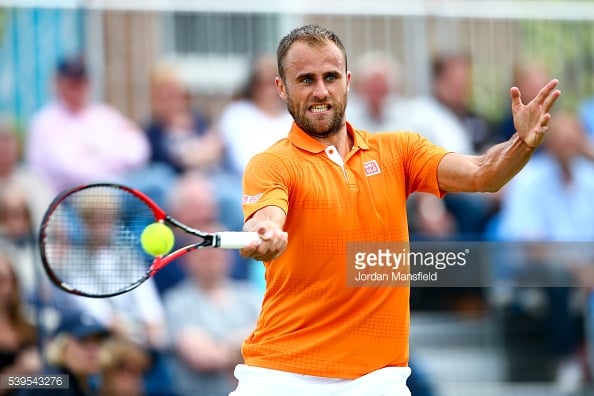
{"x": 180, "y": 333}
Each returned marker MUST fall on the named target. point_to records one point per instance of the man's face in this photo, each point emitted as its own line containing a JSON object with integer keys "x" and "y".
{"x": 82, "y": 356}
{"x": 315, "y": 88}
{"x": 73, "y": 91}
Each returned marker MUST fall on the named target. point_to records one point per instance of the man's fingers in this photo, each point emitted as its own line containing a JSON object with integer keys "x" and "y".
{"x": 544, "y": 121}
{"x": 545, "y": 92}
{"x": 550, "y": 100}
{"x": 271, "y": 245}
{"x": 265, "y": 234}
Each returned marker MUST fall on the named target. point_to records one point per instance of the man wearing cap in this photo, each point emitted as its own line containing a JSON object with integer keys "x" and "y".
{"x": 73, "y": 140}
{"x": 73, "y": 352}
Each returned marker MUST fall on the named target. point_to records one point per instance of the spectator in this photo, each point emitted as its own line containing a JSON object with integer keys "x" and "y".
{"x": 138, "y": 314}
{"x": 182, "y": 140}
{"x": 72, "y": 140}
{"x": 257, "y": 117}
{"x": 192, "y": 200}
{"x": 375, "y": 102}
{"x": 74, "y": 351}
{"x": 18, "y": 236}
{"x": 180, "y": 136}
{"x": 19, "y": 354}
{"x": 123, "y": 364}
{"x": 551, "y": 201}
{"x": 446, "y": 119}
{"x": 16, "y": 231}
{"x": 209, "y": 315}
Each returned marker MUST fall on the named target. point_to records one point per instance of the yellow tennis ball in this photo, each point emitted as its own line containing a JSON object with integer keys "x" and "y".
{"x": 157, "y": 239}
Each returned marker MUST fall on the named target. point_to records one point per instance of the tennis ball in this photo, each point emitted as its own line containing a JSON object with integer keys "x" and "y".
{"x": 157, "y": 239}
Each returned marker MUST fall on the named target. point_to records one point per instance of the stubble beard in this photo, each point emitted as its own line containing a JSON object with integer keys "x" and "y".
{"x": 317, "y": 129}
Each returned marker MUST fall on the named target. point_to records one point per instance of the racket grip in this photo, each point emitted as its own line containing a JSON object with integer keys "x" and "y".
{"x": 236, "y": 239}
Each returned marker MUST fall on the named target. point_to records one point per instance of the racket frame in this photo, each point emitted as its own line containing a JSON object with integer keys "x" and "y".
{"x": 227, "y": 239}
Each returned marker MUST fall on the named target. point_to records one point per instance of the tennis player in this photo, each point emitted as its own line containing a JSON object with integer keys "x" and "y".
{"x": 328, "y": 184}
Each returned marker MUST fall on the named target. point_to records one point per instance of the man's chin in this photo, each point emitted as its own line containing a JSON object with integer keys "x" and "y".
{"x": 321, "y": 133}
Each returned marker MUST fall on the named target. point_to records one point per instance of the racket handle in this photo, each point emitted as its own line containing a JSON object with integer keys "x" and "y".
{"x": 236, "y": 239}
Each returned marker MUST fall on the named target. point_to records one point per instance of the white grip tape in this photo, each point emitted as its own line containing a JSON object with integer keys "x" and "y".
{"x": 236, "y": 239}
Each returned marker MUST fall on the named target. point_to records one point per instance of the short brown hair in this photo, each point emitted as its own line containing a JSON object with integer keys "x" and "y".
{"x": 313, "y": 35}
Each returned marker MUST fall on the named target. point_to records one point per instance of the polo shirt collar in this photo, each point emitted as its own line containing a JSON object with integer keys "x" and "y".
{"x": 305, "y": 142}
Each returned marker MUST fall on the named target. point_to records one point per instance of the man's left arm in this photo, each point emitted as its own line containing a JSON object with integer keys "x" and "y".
{"x": 492, "y": 170}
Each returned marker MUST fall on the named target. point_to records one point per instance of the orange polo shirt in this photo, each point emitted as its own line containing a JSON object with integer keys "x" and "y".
{"x": 311, "y": 321}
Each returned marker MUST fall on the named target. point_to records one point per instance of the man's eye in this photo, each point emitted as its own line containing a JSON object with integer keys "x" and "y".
{"x": 307, "y": 80}
{"x": 331, "y": 77}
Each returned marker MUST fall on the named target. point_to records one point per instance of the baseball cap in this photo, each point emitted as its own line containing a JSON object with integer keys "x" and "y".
{"x": 80, "y": 325}
{"x": 73, "y": 67}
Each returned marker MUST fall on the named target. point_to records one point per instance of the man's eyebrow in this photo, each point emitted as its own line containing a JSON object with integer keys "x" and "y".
{"x": 312, "y": 75}
{"x": 304, "y": 75}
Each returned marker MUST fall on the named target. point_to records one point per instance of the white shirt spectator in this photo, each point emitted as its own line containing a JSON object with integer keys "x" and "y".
{"x": 248, "y": 130}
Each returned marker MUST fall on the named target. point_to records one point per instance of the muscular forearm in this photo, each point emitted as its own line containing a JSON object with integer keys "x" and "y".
{"x": 502, "y": 162}
{"x": 483, "y": 173}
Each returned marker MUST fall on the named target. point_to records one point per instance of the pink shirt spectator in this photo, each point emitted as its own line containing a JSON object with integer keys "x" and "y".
{"x": 94, "y": 144}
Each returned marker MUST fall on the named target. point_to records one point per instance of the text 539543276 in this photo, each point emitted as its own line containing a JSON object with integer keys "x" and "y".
{"x": 54, "y": 381}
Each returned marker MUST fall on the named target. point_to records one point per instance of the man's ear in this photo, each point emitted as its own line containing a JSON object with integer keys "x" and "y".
{"x": 348, "y": 78}
{"x": 280, "y": 87}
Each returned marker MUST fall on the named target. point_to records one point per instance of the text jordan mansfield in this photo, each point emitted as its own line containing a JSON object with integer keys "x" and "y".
{"x": 403, "y": 266}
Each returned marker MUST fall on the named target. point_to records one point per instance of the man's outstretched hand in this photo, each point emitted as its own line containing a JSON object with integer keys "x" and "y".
{"x": 531, "y": 120}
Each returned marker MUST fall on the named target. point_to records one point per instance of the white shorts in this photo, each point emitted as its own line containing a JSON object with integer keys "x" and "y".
{"x": 258, "y": 381}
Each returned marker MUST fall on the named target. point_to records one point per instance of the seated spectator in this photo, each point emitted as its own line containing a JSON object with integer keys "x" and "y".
{"x": 74, "y": 351}
{"x": 551, "y": 201}
{"x": 192, "y": 200}
{"x": 19, "y": 354}
{"x": 19, "y": 235}
{"x": 209, "y": 315}
{"x": 447, "y": 119}
{"x": 137, "y": 315}
{"x": 123, "y": 365}
{"x": 72, "y": 140}
{"x": 180, "y": 136}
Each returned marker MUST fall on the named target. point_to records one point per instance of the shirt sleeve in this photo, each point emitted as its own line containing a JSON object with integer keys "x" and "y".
{"x": 421, "y": 159}
{"x": 265, "y": 183}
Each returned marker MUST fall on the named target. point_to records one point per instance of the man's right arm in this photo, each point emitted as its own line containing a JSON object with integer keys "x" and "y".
{"x": 268, "y": 222}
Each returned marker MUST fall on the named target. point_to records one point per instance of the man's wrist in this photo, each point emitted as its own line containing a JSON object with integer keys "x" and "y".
{"x": 517, "y": 135}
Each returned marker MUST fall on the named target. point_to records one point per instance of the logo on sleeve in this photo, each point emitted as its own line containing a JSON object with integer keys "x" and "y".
{"x": 371, "y": 167}
{"x": 250, "y": 199}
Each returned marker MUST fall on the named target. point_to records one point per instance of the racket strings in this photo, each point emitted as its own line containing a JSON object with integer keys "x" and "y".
{"x": 92, "y": 240}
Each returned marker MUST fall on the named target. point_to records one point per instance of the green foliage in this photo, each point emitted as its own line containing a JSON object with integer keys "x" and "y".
{"x": 568, "y": 50}
{"x": 3, "y": 18}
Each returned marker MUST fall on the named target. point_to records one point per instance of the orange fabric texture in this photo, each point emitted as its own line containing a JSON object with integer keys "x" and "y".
{"x": 311, "y": 322}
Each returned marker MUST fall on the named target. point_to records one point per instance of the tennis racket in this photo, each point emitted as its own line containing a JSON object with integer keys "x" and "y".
{"x": 89, "y": 239}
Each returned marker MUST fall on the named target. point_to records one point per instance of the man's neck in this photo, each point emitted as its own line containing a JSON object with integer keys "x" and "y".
{"x": 342, "y": 141}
